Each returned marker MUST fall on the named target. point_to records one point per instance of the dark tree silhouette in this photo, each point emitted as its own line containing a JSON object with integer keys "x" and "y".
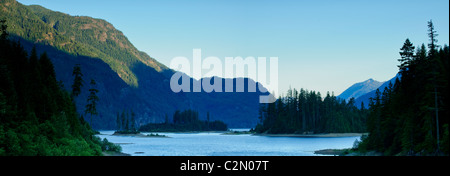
{"x": 91, "y": 107}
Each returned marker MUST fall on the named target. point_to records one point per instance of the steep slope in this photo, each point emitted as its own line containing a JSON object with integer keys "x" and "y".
{"x": 127, "y": 79}
{"x": 37, "y": 117}
{"x": 366, "y": 97}
{"x": 77, "y": 35}
{"x": 359, "y": 89}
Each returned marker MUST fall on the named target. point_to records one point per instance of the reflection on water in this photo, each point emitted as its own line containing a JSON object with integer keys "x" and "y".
{"x": 216, "y": 144}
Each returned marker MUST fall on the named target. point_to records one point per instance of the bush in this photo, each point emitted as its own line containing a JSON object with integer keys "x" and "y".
{"x": 108, "y": 146}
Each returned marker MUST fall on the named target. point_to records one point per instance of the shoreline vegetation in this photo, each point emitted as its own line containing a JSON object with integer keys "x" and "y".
{"x": 334, "y": 152}
{"x": 320, "y": 135}
{"x": 238, "y": 132}
{"x": 185, "y": 121}
{"x": 307, "y": 112}
{"x": 346, "y": 152}
{"x": 411, "y": 116}
{"x": 230, "y": 132}
{"x": 138, "y": 134}
{"x": 114, "y": 153}
{"x": 38, "y": 117}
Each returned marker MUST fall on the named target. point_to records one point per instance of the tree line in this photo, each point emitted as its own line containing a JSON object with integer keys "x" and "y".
{"x": 186, "y": 120}
{"x": 126, "y": 123}
{"x": 411, "y": 117}
{"x": 307, "y": 112}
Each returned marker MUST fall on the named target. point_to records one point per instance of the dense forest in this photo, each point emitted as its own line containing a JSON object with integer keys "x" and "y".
{"x": 411, "y": 117}
{"x": 37, "y": 116}
{"x": 307, "y": 112}
{"x": 186, "y": 120}
{"x": 126, "y": 123}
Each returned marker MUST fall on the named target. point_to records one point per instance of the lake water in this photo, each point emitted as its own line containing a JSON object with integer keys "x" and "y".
{"x": 216, "y": 144}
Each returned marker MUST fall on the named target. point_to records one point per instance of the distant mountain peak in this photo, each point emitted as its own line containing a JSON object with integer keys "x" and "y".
{"x": 366, "y": 97}
{"x": 359, "y": 89}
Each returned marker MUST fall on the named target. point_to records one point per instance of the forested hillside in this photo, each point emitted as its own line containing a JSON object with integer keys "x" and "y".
{"x": 365, "y": 99}
{"x": 411, "y": 116}
{"x": 77, "y": 35}
{"x": 126, "y": 78}
{"x": 37, "y": 116}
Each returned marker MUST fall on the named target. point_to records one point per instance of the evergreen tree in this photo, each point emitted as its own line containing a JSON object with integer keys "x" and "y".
{"x": 78, "y": 80}
{"x": 437, "y": 71}
{"x": 127, "y": 124}
{"x": 118, "y": 122}
{"x": 307, "y": 112}
{"x": 123, "y": 120}
{"x": 406, "y": 119}
{"x": 91, "y": 107}
{"x": 166, "y": 119}
{"x": 186, "y": 120}
{"x": 37, "y": 116}
{"x": 407, "y": 55}
{"x": 432, "y": 35}
{"x": 3, "y": 32}
{"x": 133, "y": 122}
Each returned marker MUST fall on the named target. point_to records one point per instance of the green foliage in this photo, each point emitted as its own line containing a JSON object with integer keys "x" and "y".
{"x": 306, "y": 112}
{"x": 37, "y": 117}
{"x": 108, "y": 146}
{"x": 3, "y": 32}
{"x": 186, "y": 120}
{"x": 156, "y": 135}
{"x": 71, "y": 40}
{"x": 91, "y": 107}
{"x": 126, "y": 123}
{"x": 77, "y": 35}
{"x": 77, "y": 81}
{"x": 407, "y": 54}
{"x": 408, "y": 117}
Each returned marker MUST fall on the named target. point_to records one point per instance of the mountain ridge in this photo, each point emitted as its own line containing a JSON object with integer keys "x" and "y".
{"x": 123, "y": 80}
{"x": 359, "y": 89}
{"x": 366, "y": 97}
{"x": 78, "y": 35}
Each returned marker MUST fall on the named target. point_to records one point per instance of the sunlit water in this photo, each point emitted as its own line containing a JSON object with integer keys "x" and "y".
{"x": 216, "y": 144}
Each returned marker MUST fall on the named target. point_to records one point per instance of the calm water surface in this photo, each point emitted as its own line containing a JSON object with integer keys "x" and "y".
{"x": 215, "y": 144}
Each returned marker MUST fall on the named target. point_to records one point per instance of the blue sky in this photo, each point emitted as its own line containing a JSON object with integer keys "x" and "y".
{"x": 322, "y": 45}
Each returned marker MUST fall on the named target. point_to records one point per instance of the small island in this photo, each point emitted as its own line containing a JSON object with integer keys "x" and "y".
{"x": 126, "y": 126}
{"x": 185, "y": 121}
{"x": 138, "y": 134}
{"x": 239, "y": 132}
{"x": 334, "y": 152}
{"x": 156, "y": 135}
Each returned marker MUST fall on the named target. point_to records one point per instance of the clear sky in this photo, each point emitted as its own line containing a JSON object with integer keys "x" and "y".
{"x": 322, "y": 45}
